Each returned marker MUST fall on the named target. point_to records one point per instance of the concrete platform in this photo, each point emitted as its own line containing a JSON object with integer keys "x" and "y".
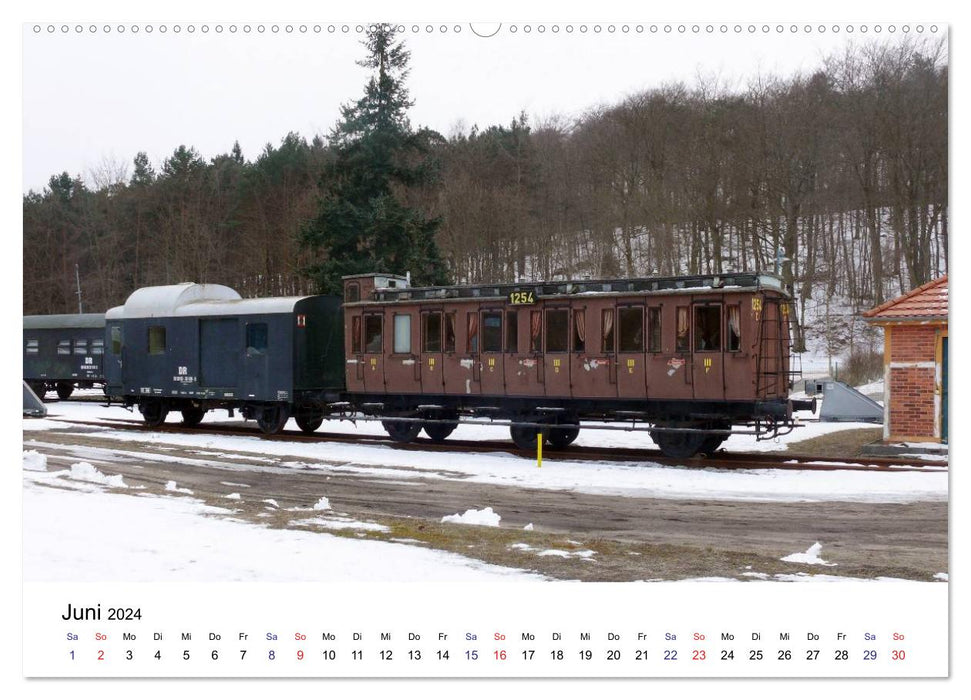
{"x": 893, "y": 449}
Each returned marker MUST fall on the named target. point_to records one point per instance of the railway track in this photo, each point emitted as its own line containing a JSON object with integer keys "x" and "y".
{"x": 719, "y": 460}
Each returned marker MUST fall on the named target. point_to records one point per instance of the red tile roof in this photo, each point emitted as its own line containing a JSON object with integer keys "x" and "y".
{"x": 927, "y": 302}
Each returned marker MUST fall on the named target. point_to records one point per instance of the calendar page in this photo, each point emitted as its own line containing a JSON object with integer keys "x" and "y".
{"x": 438, "y": 349}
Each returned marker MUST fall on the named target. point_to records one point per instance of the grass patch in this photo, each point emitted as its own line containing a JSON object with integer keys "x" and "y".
{"x": 843, "y": 443}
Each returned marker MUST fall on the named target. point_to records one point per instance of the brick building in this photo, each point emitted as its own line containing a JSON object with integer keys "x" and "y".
{"x": 915, "y": 363}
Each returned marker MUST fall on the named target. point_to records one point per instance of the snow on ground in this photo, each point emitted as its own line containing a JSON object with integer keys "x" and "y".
{"x": 35, "y": 461}
{"x": 562, "y": 553}
{"x": 82, "y": 471}
{"x": 79, "y": 536}
{"x": 647, "y": 479}
{"x": 810, "y": 556}
{"x": 486, "y": 516}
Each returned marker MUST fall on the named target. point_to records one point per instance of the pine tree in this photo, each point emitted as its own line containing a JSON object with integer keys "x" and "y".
{"x": 362, "y": 222}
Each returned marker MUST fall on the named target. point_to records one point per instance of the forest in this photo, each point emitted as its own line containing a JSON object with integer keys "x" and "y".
{"x": 837, "y": 178}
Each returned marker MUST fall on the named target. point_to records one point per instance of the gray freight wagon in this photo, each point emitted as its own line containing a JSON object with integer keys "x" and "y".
{"x": 63, "y": 352}
{"x": 197, "y": 347}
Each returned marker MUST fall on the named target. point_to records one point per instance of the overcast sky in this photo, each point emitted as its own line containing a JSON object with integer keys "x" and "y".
{"x": 96, "y": 96}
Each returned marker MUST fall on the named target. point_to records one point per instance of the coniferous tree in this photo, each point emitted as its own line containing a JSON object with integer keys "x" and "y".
{"x": 363, "y": 223}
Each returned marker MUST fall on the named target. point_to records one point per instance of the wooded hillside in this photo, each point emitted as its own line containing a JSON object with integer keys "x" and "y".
{"x": 842, "y": 172}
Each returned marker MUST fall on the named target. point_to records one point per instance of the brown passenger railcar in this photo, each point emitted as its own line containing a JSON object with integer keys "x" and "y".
{"x": 691, "y": 357}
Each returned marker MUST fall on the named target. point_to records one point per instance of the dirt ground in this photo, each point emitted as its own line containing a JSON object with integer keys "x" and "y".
{"x": 632, "y": 538}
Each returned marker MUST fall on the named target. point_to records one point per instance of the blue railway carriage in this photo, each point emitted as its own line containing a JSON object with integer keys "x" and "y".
{"x": 197, "y": 347}
{"x": 63, "y": 352}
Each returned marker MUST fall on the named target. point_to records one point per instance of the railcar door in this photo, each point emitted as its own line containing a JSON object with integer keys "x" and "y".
{"x": 524, "y": 360}
{"x": 373, "y": 349}
{"x": 462, "y": 366}
{"x": 402, "y": 371}
{"x": 556, "y": 358}
{"x": 354, "y": 350}
{"x": 256, "y": 359}
{"x": 218, "y": 352}
{"x": 631, "y": 358}
{"x": 708, "y": 358}
{"x": 493, "y": 380}
{"x": 740, "y": 348}
{"x": 432, "y": 354}
{"x": 669, "y": 349}
{"x": 593, "y": 370}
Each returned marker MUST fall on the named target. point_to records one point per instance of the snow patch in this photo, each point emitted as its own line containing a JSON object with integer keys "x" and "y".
{"x": 941, "y": 576}
{"x": 34, "y": 461}
{"x": 272, "y": 502}
{"x": 564, "y": 553}
{"x": 342, "y": 524}
{"x": 486, "y": 516}
{"x": 84, "y": 471}
{"x": 233, "y": 496}
{"x": 810, "y": 556}
{"x": 529, "y": 527}
{"x": 172, "y": 486}
{"x": 322, "y": 504}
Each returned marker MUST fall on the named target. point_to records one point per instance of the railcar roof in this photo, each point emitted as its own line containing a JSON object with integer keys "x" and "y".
{"x": 190, "y": 299}
{"x": 735, "y": 281}
{"x": 65, "y": 321}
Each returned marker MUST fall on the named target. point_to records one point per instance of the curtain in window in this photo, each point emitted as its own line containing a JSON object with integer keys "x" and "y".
{"x": 579, "y": 321}
{"x": 535, "y": 327}
{"x": 683, "y": 321}
{"x": 733, "y": 320}
{"x": 355, "y": 334}
{"x": 473, "y": 337}
{"x": 608, "y": 327}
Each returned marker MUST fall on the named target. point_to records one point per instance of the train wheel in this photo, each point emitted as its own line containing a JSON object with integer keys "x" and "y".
{"x": 524, "y": 436}
{"x": 191, "y": 417}
{"x": 64, "y": 390}
{"x": 562, "y": 436}
{"x": 153, "y": 413}
{"x": 439, "y": 431}
{"x": 679, "y": 445}
{"x": 272, "y": 419}
{"x": 39, "y": 388}
{"x": 711, "y": 444}
{"x": 402, "y": 431}
{"x": 309, "y": 422}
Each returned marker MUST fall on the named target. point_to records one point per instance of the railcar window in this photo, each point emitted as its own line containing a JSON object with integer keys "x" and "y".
{"x": 257, "y": 338}
{"x": 535, "y": 331}
{"x": 607, "y": 330}
{"x": 579, "y": 330}
{"x": 682, "y": 341}
{"x": 654, "y": 329}
{"x": 492, "y": 331}
{"x": 356, "y": 334}
{"x": 402, "y": 333}
{"x": 733, "y": 314}
{"x": 472, "y": 334}
{"x": 449, "y": 332}
{"x": 156, "y": 340}
{"x": 33, "y": 347}
{"x": 631, "y": 335}
{"x": 557, "y": 325}
{"x": 98, "y": 346}
{"x": 708, "y": 328}
{"x": 512, "y": 331}
{"x": 116, "y": 340}
{"x": 373, "y": 342}
{"x": 80, "y": 346}
{"x": 431, "y": 332}
{"x": 352, "y": 293}
{"x": 64, "y": 347}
